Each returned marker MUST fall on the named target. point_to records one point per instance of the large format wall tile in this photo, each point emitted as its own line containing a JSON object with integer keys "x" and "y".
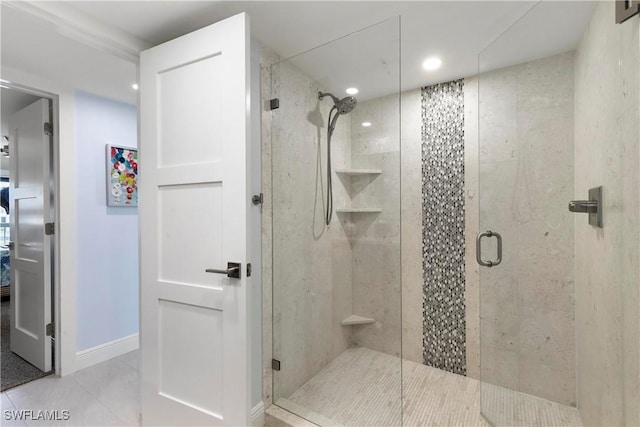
{"x": 471, "y": 227}
{"x": 411, "y": 172}
{"x": 266, "y": 59}
{"x": 311, "y": 262}
{"x": 375, "y": 241}
{"x": 525, "y": 182}
{"x": 607, "y": 134}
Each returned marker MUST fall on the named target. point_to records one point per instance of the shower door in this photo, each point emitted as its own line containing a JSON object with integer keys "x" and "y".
{"x": 526, "y": 179}
{"x": 540, "y": 146}
{"x": 337, "y": 286}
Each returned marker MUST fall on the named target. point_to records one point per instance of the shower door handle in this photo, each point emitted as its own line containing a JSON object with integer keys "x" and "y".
{"x": 479, "y": 249}
{"x": 233, "y": 270}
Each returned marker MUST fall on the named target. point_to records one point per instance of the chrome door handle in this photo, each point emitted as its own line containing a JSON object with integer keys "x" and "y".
{"x": 479, "y": 249}
{"x": 11, "y": 245}
{"x": 233, "y": 270}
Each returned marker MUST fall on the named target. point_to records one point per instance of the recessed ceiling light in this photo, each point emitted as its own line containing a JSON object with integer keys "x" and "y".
{"x": 352, "y": 90}
{"x": 432, "y": 63}
{"x": 366, "y": 124}
{"x": 135, "y": 86}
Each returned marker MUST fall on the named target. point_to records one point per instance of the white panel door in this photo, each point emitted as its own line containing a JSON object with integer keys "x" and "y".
{"x": 193, "y": 211}
{"x": 29, "y": 205}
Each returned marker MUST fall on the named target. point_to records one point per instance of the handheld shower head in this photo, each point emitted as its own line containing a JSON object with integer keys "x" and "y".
{"x": 344, "y": 105}
{"x": 340, "y": 107}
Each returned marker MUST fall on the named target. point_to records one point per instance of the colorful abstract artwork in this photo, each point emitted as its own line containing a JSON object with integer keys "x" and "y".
{"x": 122, "y": 176}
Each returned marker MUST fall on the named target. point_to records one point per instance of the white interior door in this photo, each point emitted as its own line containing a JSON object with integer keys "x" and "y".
{"x": 193, "y": 210}
{"x": 29, "y": 205}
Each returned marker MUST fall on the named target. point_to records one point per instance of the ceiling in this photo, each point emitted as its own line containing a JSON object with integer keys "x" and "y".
{"x": 456, "y": 31}
{"x": 44, "y": 49}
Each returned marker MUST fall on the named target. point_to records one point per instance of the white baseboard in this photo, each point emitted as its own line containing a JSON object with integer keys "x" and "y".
{"x": 103, "y": 352}
{"x": 257, "y": 415}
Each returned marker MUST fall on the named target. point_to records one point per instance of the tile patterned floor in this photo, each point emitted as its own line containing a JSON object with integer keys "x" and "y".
{"x": 102, "y": 395}
{"x": 361, "y": 387}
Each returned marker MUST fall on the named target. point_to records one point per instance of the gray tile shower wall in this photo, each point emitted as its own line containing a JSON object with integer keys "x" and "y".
{"x": 311, "y": 262}
{"x": 443, "y": 196}
{"x": 607, "y": 141}
{"x": 526, "y": 170}
{"x": 375, "y": 239}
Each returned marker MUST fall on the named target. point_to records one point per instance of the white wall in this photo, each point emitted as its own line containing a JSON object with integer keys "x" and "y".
{"x": 107, "y": 237}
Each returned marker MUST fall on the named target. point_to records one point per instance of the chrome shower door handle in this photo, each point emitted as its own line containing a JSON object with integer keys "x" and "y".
{"x": 479, "y": 249}
{"x": 233, "y": 270}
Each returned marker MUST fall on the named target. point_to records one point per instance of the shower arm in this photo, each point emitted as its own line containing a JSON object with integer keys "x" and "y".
{"x": 322, "y": 95}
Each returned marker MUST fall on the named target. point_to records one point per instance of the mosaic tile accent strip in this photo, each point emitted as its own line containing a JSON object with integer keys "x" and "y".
{"x": 443, "y": 226}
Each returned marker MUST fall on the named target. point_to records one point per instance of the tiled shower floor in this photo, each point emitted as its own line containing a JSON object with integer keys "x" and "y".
{"x": 361, "y": 387}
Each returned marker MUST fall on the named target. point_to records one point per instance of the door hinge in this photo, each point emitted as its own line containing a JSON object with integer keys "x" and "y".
{"x": 275, "y": 364}
{"x": 50, "y": 329}
{"x": 48, "y": 129}
{"x": 49, "y": 229}
{"x": 249, "y": 269}
{"x": 258, "y": 199}
{"x": 274, "y": 104}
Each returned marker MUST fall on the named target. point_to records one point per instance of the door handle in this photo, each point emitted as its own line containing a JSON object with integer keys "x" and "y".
{"x": 479, "y": 249}
{"x": 11, "y": 245}
{"x": 233, "y": 270}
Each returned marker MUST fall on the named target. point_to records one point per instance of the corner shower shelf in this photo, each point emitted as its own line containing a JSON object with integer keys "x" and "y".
{"x": 359, "y": 172}
{"x": 354, "y": 319}
{"x": 359, "y": 210}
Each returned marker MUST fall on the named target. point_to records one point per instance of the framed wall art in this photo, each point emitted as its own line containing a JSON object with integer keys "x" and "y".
{"x": 122, "y": 176}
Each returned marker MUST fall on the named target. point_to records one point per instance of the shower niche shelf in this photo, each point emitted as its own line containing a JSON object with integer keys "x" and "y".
{"x": 359, "y": 210}
{"x": 359, "y": 172}
{"x": 354, "y": 319}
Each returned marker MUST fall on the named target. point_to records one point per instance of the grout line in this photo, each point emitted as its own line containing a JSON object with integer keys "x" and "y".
{"x": 6, "y": 393}
{"x": 97, "y": 398}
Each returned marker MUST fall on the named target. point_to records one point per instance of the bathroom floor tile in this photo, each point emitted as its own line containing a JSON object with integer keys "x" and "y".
{"x": 362, "y": 387}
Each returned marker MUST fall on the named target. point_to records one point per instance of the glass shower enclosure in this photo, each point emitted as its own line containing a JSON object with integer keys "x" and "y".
{"x": 526, "y": 178}
{"x": 336, "y": 230}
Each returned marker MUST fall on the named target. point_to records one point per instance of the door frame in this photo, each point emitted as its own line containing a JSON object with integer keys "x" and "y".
{"x": 64, "y": 305}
